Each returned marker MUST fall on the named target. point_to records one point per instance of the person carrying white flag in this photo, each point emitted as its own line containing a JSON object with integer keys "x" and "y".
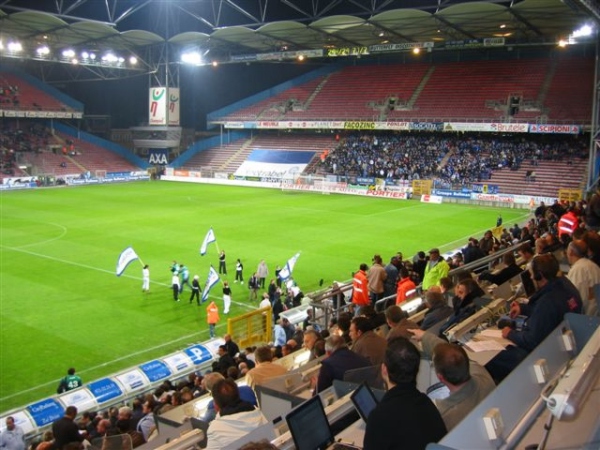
{"x": 213, "y": 279}
{"x": 286, "y": 272}
{"x": 126, "y": 257}
{"x": 208, "y": 239}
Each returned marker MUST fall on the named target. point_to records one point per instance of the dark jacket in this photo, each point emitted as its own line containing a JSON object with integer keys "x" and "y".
{"x": 435, "y": 315}
{"x": 65, "y": 430}
{"x": 545, "y": 311}
{"x": 405, "y": 419}
{"x": 335, "y": 366}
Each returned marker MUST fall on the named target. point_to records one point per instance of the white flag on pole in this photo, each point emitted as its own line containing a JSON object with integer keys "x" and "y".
{"x": 213, "y": 278}
{"x": 286, "y": 272}
{"x": 208, "y": 239}
{"x": 125, "y": 258}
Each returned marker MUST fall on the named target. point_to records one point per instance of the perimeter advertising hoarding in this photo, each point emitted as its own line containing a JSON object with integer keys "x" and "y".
{"x": 46, "y": 411}
{"x": 155, "y": 370}
{"x": 104, "y": 390}
{"x": 80, "y": 398}
{"x": 132, "y": 380}
{"x": 452, "y": 194}
{"x": 198, "y": 354}
{"x": 178, "y": 362}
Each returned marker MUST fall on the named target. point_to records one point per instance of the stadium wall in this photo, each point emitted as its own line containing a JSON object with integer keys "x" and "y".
{"x": 216, "y": 115}
{"x": 121, "y": 151}
{"x": 64, "y": 98}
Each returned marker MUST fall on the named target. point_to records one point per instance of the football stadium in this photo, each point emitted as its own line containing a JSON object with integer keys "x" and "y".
{"x": 235, "y": 224}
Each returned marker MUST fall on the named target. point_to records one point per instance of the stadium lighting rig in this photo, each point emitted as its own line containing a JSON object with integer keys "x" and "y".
{"x": 41, "y": 51}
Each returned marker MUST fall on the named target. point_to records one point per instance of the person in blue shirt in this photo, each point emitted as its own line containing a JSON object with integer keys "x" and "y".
{"x": 184, "y": 272}
{"x": 210, "y": 379}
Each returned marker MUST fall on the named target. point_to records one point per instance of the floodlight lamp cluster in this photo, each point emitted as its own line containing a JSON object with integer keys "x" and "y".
{"x": 42, "y": 51}
{"x": 581, "y": 34}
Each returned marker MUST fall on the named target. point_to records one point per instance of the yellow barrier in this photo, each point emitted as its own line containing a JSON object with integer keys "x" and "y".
{"x": 422, "y": 187}
{"x": 569, "y": 195}
{"x": 251, "y": 328}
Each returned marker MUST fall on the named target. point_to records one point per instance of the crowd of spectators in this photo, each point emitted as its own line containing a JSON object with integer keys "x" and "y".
{"x": 448, "y": 158}
{"x": 358, "y": 338}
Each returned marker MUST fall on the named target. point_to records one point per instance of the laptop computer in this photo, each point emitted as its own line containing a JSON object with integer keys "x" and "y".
{"x": 309, "y": 426}
{"x": 364, "y": 400}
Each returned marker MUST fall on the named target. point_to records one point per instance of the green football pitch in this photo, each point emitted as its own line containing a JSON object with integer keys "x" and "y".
{"x": 62, "y": 305}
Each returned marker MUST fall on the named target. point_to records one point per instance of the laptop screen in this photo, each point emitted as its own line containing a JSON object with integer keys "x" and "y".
{"x": 309, "y": 426}
{"x": 364, "y": 401}
{"x": 527, "y": 283}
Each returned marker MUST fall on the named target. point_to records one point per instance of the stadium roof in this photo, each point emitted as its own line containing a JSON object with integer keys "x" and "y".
{"x": 237, "y": 27}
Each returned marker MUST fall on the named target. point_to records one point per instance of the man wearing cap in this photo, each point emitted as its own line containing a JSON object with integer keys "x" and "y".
{"x": 435, "y": 270}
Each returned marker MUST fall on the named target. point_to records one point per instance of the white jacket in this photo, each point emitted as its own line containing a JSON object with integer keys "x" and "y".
{"x": 224, "y": 430}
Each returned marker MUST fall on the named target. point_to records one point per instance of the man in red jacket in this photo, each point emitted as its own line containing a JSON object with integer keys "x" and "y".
{"x": 360, "y": 290}
{"x": 568, "y": 223}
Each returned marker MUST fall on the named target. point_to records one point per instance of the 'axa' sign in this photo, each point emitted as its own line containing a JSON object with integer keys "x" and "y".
{"x": 158, "y": 156}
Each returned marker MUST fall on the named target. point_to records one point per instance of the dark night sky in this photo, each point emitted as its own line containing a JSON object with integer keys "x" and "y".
{"x": 203, "y": 89}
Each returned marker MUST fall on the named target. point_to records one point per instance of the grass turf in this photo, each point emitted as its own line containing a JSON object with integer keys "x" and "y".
{"x": 61, "y": 304}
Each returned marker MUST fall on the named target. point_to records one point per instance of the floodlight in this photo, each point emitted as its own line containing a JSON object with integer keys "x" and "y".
{"x": 85, "y": 55}
{"x": 68, "y": 53}
{"x": 584, "y": 31}
{"x": 570, "y": 393}
{"x": 192, "y": 57}
{"x": 14, "y": 47}
{"x": 1, "y": 45}
{"x": 74, "y": 61}
{"x": 43, "y": 50}
{"x": 215, "y": 63}
{"x": 133, "y": 60}
{"x": 92, "y": 56}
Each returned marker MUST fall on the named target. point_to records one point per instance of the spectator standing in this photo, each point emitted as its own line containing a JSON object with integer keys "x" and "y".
{"x": 392, "y": 276}
{"x": 376, "y": 277}
{"x": 405, "y": 285}
{"x": 253, "y": 285}
{"x": 65, "y": 429}
{"x": 262, "y": 271}
{"x": 13, "y": 437}
{"x": 568, "y": 223}
{"x": 222, "y": 263}
{"x": 185, "y": 277}
{"x": 175, "y": 285}
{"x": 360, "y": 291}
{"x": 584, "y": 274}
{"x": 435, "y": 269}
{"x": 226, "y": 297}
{"x": 69, "y": 382}
{"x": 146, "y": 279}
{"x": 196, "y": 290}
{"x": 212, "y": 317}
{"x": 592, "y": 212}
{"x": 232, "y": 348}
{"x": 239, "y": 271}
